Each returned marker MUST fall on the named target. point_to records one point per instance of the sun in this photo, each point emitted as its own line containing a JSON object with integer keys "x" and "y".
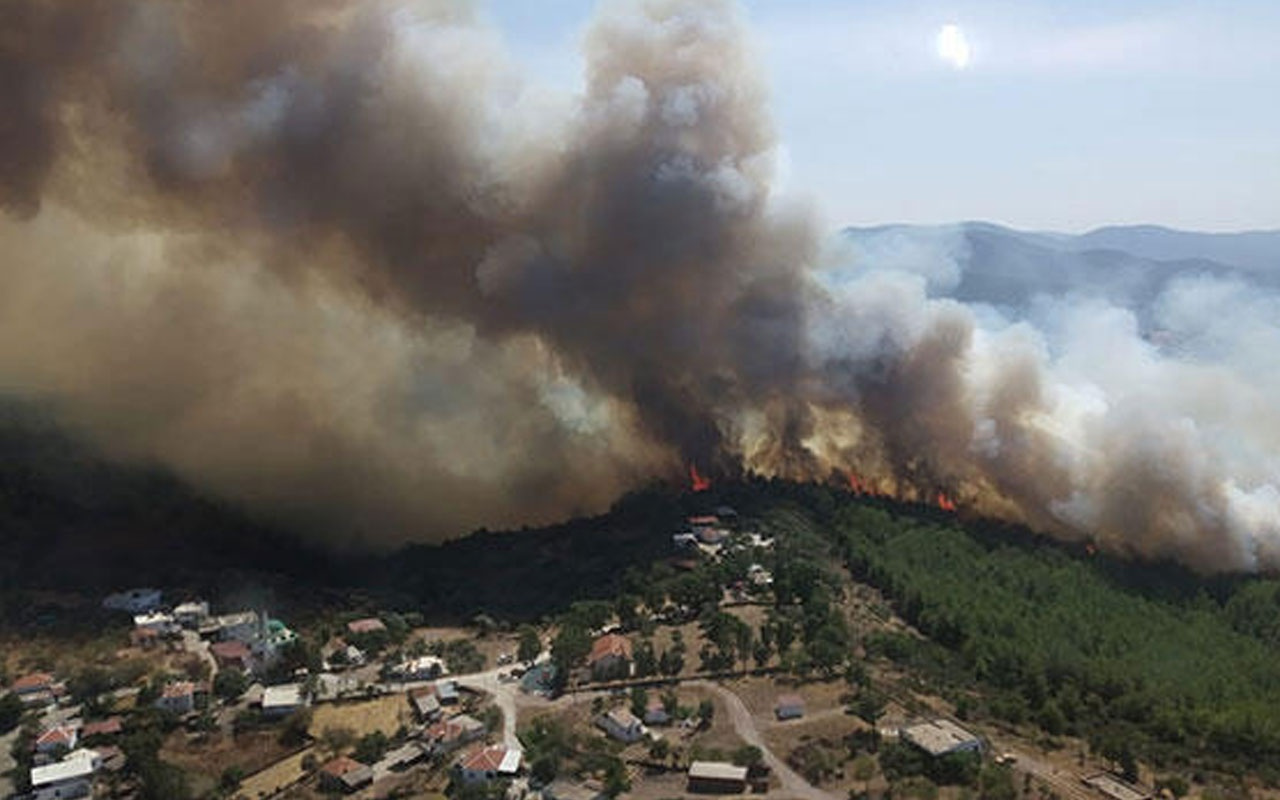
{"x": 953, "y": 47}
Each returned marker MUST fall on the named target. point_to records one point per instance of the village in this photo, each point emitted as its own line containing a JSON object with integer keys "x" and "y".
{"x": 691, "y": 685}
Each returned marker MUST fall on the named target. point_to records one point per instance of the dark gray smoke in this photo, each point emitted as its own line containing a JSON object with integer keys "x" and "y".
{"x": 337, "y": 261}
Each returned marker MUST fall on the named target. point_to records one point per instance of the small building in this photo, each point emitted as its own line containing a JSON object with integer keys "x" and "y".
{"x": 450, "y": 734}
{"x": 941, "y": 737}
{"x": 366, "y": 625}
{"x": 789, "y": 706}
{"x": 426, "y": 706}
{"x": 344, "y": 774}
{"x": 111, "y": 726}
{"x": 717, "y": 777}
{"x": 425, "y": 668}
{"x": 134, "y": 601}
{"x": 447, "y": 693}
{"x": 759, "y": 576}
{"x": 241, "y": 626}
{"x": 36, "y": 689}
{"x": 280, "y": 701}
{"x": 177, "y": 698}
{"x": 685, "y": 540}
{"x": 192, "y": 614}
{"x": 655, "y": 712}
{"x": 402, "y": 757}
{"x": 610, "y": 657}
{"x": 539, "y": 679}
{"x": 232, "y": 654}
{"x": 1117, "y": 788}
{"x": 622, "y": 725}
{"x": 157, "y": 621}
{"x": 69, "y": 778}
{"x": 58, "y": 739}
{"x": 489, "y": 763}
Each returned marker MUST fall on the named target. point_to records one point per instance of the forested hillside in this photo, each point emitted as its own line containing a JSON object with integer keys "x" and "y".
{"x": 1144, "y": 659}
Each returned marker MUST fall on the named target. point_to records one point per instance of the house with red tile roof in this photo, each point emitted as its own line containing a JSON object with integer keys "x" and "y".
{"x": 58, "y": 738}
{"x": 178, "y": 697}
{"x": 232, "y": 653}
{"x": 111, "y": 726}
{"x": 344, "y": 774}
{"x": 366, "y": 625}
{"x": 488, "y": 763}
{"x": 610, "y": 657}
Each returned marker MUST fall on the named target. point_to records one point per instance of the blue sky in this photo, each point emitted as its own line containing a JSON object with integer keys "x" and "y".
{"x": 1070, "y": 115}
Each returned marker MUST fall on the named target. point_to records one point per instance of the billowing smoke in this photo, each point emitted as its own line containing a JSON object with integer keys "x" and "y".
{"x": 338, "y": 262}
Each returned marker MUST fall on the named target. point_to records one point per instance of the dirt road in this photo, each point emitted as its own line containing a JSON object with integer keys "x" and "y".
{"x": 793, "y": 784}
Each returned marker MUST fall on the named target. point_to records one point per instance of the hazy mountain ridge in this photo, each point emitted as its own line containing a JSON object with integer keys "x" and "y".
{"x": 1127, "y": 265}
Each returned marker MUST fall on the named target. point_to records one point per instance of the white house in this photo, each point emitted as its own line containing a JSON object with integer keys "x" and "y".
{"x": 192, "y": 614}
{"x": 426, "y": 668}
{"x": 489, "y": 763}
{"x": 622, "y": 725}
{"x": 135, "y": 601}
{"x": 279, "y": 701}
{"x": 157, "y": 621}
{"x": 71, "y": 777}
{"x": 272, "y": 636}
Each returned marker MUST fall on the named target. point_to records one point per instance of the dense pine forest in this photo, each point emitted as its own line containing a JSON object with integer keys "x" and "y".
{"x": 1139, "y": 659}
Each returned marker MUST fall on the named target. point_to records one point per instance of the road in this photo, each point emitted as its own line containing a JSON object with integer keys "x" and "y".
{"x": 504, "y": 697}
{"x": 792, "y": 783}
{"x": 1065, "y": 783}
{"x": 192, "y": 643}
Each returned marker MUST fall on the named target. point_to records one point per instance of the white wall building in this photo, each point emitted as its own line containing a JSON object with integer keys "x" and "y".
{"x": 69, "y": 778}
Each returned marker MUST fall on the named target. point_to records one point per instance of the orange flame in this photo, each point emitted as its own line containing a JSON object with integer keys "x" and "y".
{"x": 946, "y": 503}
{"x": 855, "y": 484}
{"x": 696, "y": 481}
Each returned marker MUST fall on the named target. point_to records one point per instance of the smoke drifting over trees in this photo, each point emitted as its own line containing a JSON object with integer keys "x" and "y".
{"x": 338, "y": 262}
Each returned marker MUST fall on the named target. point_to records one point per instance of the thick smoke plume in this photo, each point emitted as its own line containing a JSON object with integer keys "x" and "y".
{"x": 338, "y": 262}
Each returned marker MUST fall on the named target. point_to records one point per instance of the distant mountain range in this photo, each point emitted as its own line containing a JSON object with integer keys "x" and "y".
{"x": 1002, "y": 266}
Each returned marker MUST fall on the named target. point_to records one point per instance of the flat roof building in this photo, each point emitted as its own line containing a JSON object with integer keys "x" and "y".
{"x": 941, "y": 737}
{"x": 716, "y": 777}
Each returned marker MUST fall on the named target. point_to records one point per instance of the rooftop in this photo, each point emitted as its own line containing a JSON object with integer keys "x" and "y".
{"x": 492, "y": 759}
{"x": 77, "y": 764}
{"x": 179, "y": 689}
{"x": 939, "y": 737}
{"x": 285, "y": 696}
{"x": 1115, "y": 788}
{"x": 341, "y": 766}
{"x": 230, "y": 650}
{"x": 59, "y": 734}
{"x": 102, "y": 727}
{"x": 36, "y": 680}
{"x": 623, "y": 717}
{"x": 611, "y": 644}
{"x": 238, "y": 618}
{"x": 366, "y": 625}
{"x": 717, "y": 771}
